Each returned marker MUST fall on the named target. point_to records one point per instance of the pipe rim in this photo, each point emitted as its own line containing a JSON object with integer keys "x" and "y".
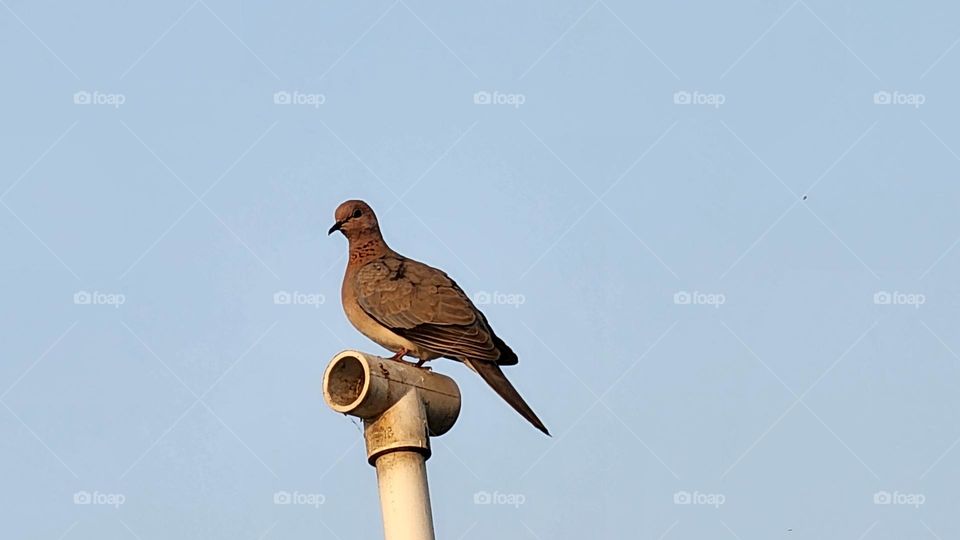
{"x": 335, "y": 394}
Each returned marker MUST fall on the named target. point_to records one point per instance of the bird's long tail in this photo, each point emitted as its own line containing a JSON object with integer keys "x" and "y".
{"x": 494, "y": 377}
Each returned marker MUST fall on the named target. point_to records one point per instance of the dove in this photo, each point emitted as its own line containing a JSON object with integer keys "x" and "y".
{"x": 413, "y": 309}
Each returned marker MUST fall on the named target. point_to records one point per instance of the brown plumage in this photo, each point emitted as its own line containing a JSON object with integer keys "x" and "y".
{"x": 414, "y": 309}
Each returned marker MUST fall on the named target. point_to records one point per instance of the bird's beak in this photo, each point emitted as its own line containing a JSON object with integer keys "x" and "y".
{"x": 336, "y": 227}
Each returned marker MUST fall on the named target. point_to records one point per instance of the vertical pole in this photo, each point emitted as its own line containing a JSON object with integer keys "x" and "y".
{"x": 404, "y": 496}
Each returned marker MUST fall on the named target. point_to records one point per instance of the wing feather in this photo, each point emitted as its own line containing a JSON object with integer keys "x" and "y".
{"x": 425, "y": 306}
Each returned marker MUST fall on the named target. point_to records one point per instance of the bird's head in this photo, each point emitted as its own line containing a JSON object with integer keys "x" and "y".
{"x": 355, "y": 218}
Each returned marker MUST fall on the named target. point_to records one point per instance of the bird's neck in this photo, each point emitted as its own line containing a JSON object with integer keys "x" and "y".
{"x": 368, "y": 248}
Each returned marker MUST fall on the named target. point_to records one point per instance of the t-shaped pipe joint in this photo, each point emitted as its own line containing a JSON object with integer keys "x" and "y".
{"x": 401, "y": 405}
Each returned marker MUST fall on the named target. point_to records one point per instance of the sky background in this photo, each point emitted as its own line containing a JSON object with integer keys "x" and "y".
{"x": 722, "y": 238}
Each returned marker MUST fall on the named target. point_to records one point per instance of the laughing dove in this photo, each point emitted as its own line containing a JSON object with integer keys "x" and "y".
{"x": 414, "y": 309}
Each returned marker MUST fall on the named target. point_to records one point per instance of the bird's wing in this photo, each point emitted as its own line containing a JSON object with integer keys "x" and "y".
{"x": 425, "y": 306}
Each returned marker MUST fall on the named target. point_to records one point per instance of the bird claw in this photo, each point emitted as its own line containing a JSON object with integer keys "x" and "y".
{"x": 420, "y": 364}
{"x": 399, "y": 358}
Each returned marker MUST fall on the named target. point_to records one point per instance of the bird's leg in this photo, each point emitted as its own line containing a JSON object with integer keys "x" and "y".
{"x": 399, "y": 358}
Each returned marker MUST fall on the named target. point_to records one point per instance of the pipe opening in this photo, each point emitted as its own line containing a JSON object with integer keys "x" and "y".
{"x": 346, "y": 381}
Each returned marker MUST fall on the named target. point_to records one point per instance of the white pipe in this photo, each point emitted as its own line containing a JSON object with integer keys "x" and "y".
{"x": 404, "y": 496}
{"x": 402, "y": 406}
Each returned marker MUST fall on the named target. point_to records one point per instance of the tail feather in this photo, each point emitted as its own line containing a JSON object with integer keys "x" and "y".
{"x": 507, "y": 356}
{"x": 493, "y": 375}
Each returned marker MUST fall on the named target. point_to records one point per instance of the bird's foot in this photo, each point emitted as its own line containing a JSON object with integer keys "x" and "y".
{"x": 399, "y": 358}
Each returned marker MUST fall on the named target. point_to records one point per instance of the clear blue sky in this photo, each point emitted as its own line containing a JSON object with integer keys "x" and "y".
{"x": 624, "y": 183}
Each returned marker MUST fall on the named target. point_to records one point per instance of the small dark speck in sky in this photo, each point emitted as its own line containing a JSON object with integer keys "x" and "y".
{"x": 804, "y": 197}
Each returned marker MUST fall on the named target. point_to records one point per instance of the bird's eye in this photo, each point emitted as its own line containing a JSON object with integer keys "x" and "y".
{"x": 357, "y": 213}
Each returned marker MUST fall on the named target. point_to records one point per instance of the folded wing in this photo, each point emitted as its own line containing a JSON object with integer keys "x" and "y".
{"x": 425, "y": 306}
